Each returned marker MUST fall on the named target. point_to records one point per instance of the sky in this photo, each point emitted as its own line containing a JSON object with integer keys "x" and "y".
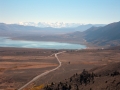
{"x": 67, "y": 11}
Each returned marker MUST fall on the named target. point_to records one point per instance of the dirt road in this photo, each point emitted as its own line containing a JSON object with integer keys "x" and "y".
{"x": 45, "y": 73}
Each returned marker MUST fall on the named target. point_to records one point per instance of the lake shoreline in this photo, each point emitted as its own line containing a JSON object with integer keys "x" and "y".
{"x": 9, "y": 42}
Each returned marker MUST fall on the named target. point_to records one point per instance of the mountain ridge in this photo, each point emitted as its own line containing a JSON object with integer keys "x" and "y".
{"x": 107, "y": 35}
{"x": 56, "y": 24}
{"x": 21, "y": 29}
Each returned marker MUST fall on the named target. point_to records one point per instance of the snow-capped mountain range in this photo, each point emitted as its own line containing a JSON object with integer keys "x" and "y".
{"x": 49, "y": 24}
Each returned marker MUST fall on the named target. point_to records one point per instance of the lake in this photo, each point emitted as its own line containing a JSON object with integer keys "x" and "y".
{"x": 6, "y": 42}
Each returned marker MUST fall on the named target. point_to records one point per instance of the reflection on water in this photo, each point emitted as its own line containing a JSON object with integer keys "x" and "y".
{"x": 5, "y": 42}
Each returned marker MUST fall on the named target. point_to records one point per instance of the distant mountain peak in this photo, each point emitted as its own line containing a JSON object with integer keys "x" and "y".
{"x": 50, "y": 24}
{"x": 56, "y": 24}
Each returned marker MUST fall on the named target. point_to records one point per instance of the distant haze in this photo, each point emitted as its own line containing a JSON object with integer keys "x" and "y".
{"x": 108, "y": 35}
{"x": 43, "y": 28}
{"x": 57, "y": 24}
{"x": 50, "y": 24}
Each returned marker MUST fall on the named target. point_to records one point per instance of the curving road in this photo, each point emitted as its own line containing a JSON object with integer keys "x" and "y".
{"x": 43, "y": 74}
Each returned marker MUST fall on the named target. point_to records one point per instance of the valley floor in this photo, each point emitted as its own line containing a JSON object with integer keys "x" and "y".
{"x": 18, "y": 66}
{"x": 75, "y": 61}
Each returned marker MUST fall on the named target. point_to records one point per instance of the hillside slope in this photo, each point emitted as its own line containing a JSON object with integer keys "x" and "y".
{"x": 17, "y": 29}
{"x": 107, "y": 35}
{"x": 104, "y": 78}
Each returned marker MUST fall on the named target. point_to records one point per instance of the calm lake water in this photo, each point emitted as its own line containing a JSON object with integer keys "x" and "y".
{"x": 5, "y": 42}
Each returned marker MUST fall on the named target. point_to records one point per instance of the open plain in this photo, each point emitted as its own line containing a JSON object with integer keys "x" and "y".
{"x": 74, "y": 61}
{"x": 18, "y": 66}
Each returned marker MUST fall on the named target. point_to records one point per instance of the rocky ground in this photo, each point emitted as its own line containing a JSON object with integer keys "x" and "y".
{"x": 102, "y": 78}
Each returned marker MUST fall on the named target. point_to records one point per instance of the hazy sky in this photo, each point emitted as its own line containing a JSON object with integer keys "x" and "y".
{"x": 67, "y": 11}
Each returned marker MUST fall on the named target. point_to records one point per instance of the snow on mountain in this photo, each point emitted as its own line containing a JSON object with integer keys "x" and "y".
{"x": 49, "y": 24}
